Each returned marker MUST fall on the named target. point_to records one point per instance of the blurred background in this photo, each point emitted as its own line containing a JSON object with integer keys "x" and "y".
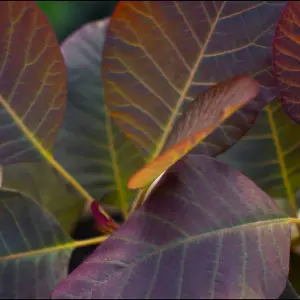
{"x": 67, "y": 16}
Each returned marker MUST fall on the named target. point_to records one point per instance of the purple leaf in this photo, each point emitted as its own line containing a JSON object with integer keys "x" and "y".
{"x": 206, "y": 231}
{"x": 160, "y": 55}
{"x": 32, "y": 82}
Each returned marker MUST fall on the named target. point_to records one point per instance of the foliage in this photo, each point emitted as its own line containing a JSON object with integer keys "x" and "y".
{"x": 180, "y": 115}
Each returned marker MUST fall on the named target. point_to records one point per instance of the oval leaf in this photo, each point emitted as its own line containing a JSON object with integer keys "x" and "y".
{"x": 90, "y": 146}
{"x": 32, "y": 258}
{"x": 269, "y": 155}
{"x": 32, "y": 81}
{"x": 287, "y": 60}
{"x": 160, "y": 55}
{"x": 202, "y": 116}
{"x": 206, "y": 231}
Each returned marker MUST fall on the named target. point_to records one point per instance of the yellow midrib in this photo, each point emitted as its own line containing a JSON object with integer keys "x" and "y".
{"x": 115, "y": 168}
{"x": 70, "y": 245}
{"x": 282, "y": 164}
{"x": 171, "y": 121}
{"x": 48, "y": 156}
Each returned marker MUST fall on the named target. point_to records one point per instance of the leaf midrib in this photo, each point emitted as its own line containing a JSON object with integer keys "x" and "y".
{"x": 199, "y": 237}
{"x": 171, "y": 121}
{"x": 281, "y": 160}
{"x": 47, "y": 250}
{"x": 114, "y": 161}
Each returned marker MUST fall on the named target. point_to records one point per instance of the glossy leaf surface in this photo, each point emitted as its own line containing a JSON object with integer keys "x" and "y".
{"x": 90, "y": 146}
{"x": 32, "y": 81}
{"x": 206, "y": 231}
{"x": 40, "y": 182}
{"x": 269, "y": 154}
{"x": 199, "y": 120}
{"x": 160, "y": 55}
{"x": 28, "y": 269}
{"x": 287, "y": 60}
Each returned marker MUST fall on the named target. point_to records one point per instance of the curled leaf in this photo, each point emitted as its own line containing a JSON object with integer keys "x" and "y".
{"x": 199, "y": 120}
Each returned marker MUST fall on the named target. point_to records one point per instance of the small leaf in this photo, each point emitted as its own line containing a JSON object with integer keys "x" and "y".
{"x": 90, "y": 146}
{"x": 30, "y": 266}
{"x": 160, "y": 55}
{"x": 32, "y": 82}
{"x": 40, "y": 182}
{"x": 199, "y": 120}
{"x": 269, "y": 155}
{"x": 287, "y": 60}
{"x": 206, "y": 231}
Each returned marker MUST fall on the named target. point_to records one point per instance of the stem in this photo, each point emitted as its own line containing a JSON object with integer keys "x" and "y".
{"x": 74, "y": 244}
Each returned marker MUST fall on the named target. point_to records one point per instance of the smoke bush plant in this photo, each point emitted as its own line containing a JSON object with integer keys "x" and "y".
{"x": 181, "y": 115}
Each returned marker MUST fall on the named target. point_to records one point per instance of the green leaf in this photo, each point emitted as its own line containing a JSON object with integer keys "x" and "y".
{"x": 40, "y": 182}
{"x": 29, "y": 268}
{"x": 90, "y": 146}
{"x": 159, "y": 56}
{"x": 269, "y": 154}
{"x": 32, "y": 82}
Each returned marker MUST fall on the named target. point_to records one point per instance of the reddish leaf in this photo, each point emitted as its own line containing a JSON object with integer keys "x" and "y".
{"x": 32, "y": 81}
{"x": 202, "y": 116}
{"x": 286, "y": 58}
{"x": 160, "y": 55}
{"x": 206, "y": 231}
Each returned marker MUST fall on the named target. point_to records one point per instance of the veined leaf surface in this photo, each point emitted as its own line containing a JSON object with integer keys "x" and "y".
{"x": 206, "y": 231}
{"x": 287, "y": 60}
{"x": 40, "y": 182}
{"x": 160, "y": 55}
{"x": 90, "y": 146}
{"x": 269, "y": 154}
{"x": 199, "y": 120}
{"x": 28, "y": 270}
{"x": 32, "y": 81}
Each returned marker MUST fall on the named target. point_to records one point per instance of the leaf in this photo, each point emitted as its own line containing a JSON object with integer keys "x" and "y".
{"x": 40, "y": 182}
{"x": 206, "y": 231}
{"x": 32, "y": 82}
{"x": 159, "y": 56}
{"x": 90, "y": 146}
{"x": 269, "y": 154}
{"x": 287, "y": 60}
{"x": 200, "y": 119}
{"x": 27, "y": 233}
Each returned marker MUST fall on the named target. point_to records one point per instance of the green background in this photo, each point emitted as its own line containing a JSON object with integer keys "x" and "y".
{"x": 67, "y": 16}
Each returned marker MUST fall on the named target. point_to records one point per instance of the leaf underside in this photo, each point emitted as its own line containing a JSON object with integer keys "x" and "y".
{"x": 199, "y": 120}
{"x": 206, "y": 231}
